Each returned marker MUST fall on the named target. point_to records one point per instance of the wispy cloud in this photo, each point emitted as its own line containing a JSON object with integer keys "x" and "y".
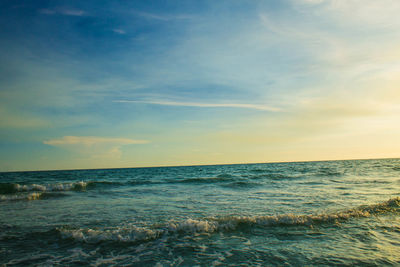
{"x": 92, "y": 140}
{"x": 311, "y": 2}
{"x": 365, "y": 13}
{"x": 119, "y": 31}
{"x": 203, "y": 105}
{"x": 63, "y": 11}
{"x": 163, "y": 17}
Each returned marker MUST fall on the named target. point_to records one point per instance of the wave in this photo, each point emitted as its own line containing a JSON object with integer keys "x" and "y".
{"x": 207, "y": 180}
{"x": 12, "y": 188}
{"x": 234, "y": 222}
{"x": 30, "y": 196}
{"x": 222, "y": 179}
{"x": 273, "y": 175}
{"x": 235, "y": 181}
{"x": 242, "y": 185}
{"x": 280, "y": 176}
{"x": 124, "y": 234}
{"x": 142, "y": 182}
{"x": 16, "y": 192}
{"x": 259, "y": 171}
{"x": 189, "y": 226}
{"x": 329, "y": 172}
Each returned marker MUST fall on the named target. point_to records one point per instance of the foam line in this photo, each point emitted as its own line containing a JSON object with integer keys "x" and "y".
{"x": 231, "y": 223}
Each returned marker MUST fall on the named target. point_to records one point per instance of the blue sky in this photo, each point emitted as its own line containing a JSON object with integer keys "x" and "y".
{"x": 92, "y": 84}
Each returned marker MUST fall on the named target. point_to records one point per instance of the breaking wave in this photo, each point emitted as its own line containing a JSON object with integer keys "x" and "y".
{"x": 124, "y": 234}
{"x": 12, "y": 188}
{"x": 225, "y": 180}
{"x": 16, "y": 192}
{"x": 132, "y": 233}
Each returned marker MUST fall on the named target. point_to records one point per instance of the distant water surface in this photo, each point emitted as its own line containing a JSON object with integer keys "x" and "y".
{"x": 306, "y": 213}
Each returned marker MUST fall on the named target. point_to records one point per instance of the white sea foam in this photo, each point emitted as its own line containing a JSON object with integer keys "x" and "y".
{"x": 132, "y": 233}
{"x": 233, "y": 222}
{"x": 193, "y": 226}
{"x": 37, "y": 191}
{"x": 123, "y": 234}
{"x": 51, "y": 187}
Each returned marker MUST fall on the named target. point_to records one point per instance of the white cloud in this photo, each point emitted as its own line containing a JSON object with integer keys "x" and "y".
{"x": 203, "y": 105}
{"x": 92, "y": 140}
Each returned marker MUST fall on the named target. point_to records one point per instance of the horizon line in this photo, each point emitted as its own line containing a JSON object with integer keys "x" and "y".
{"x": 199, "y": 165}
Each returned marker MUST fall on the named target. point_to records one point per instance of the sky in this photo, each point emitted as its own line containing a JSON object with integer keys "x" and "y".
{"x": 111, "y": 84}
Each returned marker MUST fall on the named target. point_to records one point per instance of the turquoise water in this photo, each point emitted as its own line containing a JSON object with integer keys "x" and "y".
{"x": 310, "y": 213}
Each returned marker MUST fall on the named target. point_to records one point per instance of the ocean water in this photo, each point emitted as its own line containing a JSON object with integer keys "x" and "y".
{"x": 277, "y": 214}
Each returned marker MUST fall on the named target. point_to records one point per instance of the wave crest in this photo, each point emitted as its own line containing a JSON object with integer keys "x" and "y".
{"x": 10, "y": 188}
{"x": 231, "y": 223}
{"x": 124, "y": 234}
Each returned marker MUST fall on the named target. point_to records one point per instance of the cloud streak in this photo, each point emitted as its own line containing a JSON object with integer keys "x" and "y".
{"x": 119, "y": 31}
{"x": 203, "y": 105}
{"x": 63, "y": 11}
{"x": 92, "y": 140}
{"x": 163, "y": 17}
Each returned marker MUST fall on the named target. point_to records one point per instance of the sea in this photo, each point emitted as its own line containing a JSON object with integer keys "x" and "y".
{"x": 328, "y": 213}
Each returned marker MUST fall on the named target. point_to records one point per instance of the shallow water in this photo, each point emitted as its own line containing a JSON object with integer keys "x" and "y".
{"x": 310, "y": 213}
